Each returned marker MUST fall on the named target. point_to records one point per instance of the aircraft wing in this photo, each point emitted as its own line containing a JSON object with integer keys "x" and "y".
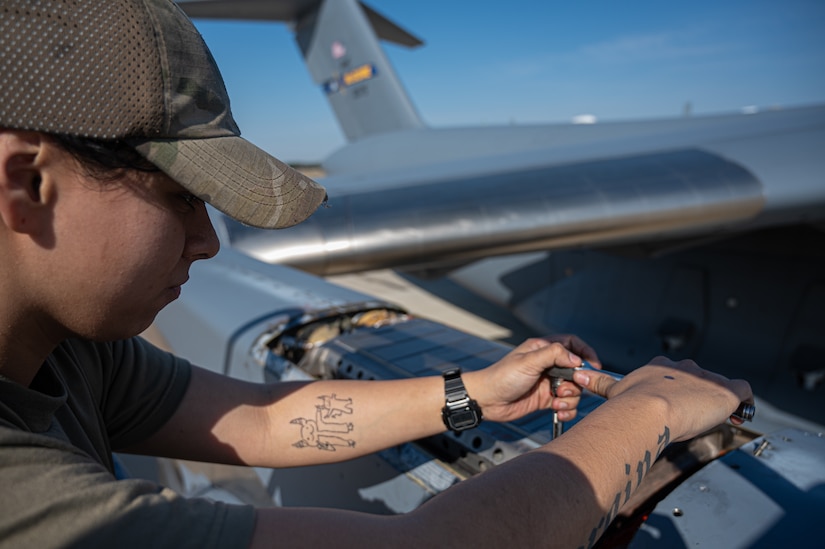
{"x": 601, "y": 185}
{"x": 458, "y": 220}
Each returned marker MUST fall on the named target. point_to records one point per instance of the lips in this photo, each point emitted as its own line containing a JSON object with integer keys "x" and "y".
{"x": 183, "y": 281}
{"x": 176, "y": 289}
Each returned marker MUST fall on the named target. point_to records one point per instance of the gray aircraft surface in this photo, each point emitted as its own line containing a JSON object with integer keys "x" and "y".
{"x": 705, "y": 228}
{"x": 732, "y": 487}
{"x": 696, "y": 237}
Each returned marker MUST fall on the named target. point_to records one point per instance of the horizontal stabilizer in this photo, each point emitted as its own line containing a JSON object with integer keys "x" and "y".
{"x": 389, "y": 31}
{"x": 339, "y": 41}
{"x": 289, "y": 11}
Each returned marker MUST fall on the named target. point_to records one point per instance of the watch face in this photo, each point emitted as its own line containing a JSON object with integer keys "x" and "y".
{"x": 463, "y": 419}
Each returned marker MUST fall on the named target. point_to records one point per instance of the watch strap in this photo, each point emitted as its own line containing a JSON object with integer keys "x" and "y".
{"x": 454, "y": 389}
{"x": 460, "y": 412}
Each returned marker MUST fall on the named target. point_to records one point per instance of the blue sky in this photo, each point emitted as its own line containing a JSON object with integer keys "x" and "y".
{"x": 525, "y": 62}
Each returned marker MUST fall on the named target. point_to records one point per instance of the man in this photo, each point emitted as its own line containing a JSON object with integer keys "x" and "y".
{"x": 114, "y": 129}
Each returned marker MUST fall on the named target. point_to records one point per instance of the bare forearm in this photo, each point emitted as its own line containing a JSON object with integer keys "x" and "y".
{"x": 614, "y": 453}
{"x": 564, "y": 495}
{"x": 286, "y": 424}
{"x": 329, "y": 421}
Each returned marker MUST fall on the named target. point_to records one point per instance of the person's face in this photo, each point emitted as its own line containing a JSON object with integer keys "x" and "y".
{"x": 121, "y": 249}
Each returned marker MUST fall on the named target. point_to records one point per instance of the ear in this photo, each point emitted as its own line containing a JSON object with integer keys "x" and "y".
{"x": 21, "y": 204}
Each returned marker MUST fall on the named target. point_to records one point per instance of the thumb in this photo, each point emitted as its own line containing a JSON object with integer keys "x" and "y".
{"x": 594, "y": 381}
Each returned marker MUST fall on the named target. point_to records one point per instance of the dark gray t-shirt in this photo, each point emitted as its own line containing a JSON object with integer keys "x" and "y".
{"x": 57, "y": 482}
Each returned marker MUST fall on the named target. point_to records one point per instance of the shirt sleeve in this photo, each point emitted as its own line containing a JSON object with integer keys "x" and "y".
{"x": 142, "y": 388}
{"x": 56, "y": 496}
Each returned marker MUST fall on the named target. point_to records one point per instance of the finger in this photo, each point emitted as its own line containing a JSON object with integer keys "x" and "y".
{"x": 736, "y": 420}
{"x": 567, "y": 415}
{"x": 743, "y": 390}
{"x": 565, "y": 403}
{"x": 568, "y": 389}
{"x": 554, "y": 354}
{"x": 578, "y": 346}
{"x": 594, "y": 382}
{"x": 534, "y": 343}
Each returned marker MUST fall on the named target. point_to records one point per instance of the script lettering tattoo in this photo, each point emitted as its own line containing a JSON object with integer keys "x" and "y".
{"x": 642, "y": 467}
{"x": 664, "y": 440}
{"x": 628, "y": 488}
{"x": 323, "y": 432}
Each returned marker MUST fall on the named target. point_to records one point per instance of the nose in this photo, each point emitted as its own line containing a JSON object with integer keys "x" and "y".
{"x": 201, "y": 239}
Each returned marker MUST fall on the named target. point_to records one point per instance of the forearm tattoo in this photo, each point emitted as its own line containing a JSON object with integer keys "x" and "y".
{"x": 328, "y": 428}
{"x": 634, "y": 479}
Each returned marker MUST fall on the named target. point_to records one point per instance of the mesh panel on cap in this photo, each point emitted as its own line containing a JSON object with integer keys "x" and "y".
{"x": 139, "y": 70}
{"x": 80, "y": 67}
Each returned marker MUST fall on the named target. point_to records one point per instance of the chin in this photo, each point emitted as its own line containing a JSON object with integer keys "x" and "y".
{"x": 114, "y": 331}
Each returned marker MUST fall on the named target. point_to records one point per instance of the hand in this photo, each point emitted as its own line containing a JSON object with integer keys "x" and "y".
{"x": 695, "y": 399}
{"x": 516, "y": 385}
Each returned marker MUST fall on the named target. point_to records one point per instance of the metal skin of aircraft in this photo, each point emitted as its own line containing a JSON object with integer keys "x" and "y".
{"x": 242, "y": 315}
{"x": 696, "y": 237}
{"x": 731, "y": 487}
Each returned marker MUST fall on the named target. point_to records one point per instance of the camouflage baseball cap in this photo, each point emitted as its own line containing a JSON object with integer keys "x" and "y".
{"x": 139, "y": 71}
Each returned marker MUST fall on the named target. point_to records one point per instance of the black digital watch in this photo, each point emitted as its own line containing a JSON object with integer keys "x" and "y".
{"x": 460, "y": 411}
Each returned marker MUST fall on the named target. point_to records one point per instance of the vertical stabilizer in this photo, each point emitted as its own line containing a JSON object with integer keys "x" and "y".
{"x": 339, "y": 40}
{"x": 341, "y": 48}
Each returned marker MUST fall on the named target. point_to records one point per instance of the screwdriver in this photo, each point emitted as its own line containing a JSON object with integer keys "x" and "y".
{"x": 558, "y": 426}
{"x": 744, "y": 412}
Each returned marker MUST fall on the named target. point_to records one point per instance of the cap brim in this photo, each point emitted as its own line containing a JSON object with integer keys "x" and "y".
{"x": 237, "y": 178}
